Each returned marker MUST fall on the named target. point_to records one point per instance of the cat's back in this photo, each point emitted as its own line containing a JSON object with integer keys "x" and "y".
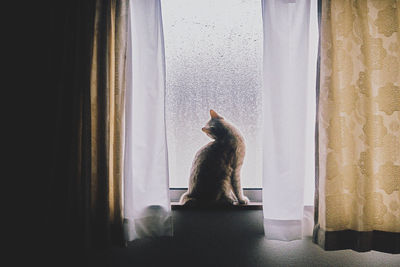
{"x": 211, "y": 164}
{"x": 213, "y": 152}
{"x": 208, "y": 154}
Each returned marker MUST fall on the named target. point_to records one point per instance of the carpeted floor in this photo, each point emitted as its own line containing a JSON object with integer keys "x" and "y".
{"x": 230, "y": 238}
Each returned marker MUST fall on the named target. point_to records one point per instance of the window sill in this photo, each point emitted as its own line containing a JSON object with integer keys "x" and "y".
{"x": 250, "y": 206}
{"x": 254, "y": 194}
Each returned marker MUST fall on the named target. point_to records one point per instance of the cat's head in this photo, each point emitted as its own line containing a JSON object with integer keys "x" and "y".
{"x": 215, "y": 127}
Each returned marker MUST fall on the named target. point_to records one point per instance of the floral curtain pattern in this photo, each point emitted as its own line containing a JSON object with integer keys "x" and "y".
{"x": 359, "y": 116}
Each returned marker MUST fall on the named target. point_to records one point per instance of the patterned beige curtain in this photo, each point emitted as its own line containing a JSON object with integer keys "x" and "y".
{"x": 359, "y": 126}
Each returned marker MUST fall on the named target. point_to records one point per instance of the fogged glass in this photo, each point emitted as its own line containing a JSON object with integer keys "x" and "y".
{"x": 213, "y": 53}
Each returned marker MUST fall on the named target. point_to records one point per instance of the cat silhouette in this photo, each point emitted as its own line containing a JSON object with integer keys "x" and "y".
{"x": 215, "y": 173}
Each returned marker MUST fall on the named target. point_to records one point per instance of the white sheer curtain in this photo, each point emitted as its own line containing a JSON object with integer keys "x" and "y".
{"x": 289, "y": 75}
{"x": 147, "y": 209}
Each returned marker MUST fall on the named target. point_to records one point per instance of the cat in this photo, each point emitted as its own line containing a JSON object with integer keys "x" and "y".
{"x": 215, "y": 173}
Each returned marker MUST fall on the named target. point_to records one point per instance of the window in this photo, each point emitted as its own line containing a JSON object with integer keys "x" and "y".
{"x": 213, "y": 55}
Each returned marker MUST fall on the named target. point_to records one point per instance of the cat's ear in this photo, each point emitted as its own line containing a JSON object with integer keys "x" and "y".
{"x": 214, "y": 115}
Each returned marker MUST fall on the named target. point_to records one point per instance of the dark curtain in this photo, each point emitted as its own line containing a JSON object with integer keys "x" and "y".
{"x": 87, "y": 70}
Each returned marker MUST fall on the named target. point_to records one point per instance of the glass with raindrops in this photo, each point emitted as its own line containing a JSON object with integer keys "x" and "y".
{"x": 213, "y": 53}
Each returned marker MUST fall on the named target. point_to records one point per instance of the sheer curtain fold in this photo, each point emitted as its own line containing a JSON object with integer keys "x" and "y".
{"x": 359, "y": 122}
{"x": 146, "y": 181}
{"x": 289, "y": 68}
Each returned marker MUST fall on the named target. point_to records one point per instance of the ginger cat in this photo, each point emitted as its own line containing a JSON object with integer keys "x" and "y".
{"x": 215, "y": 172}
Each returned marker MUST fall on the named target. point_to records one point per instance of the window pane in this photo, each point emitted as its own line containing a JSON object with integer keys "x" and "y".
{"x": 213, "y": 61}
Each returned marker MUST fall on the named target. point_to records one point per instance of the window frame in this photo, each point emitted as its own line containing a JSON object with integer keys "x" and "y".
{"x": 174, "y": 193}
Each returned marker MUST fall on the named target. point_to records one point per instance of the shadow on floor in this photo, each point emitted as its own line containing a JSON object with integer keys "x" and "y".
{"x": 231, "y": 238}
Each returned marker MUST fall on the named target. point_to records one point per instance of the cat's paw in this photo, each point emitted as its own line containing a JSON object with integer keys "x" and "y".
{"x": 227, "y": 201}
{"x": 244, "y": 201}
